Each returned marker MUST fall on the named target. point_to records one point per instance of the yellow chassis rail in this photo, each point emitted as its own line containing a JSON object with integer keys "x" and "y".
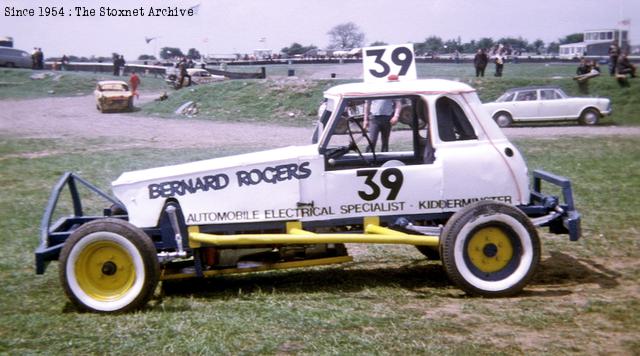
{"x": 373, "y": 234}
{"x": 260, "y": 268}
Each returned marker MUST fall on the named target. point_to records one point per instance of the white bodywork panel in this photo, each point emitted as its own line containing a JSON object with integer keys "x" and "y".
{"x": 297, "y": 184}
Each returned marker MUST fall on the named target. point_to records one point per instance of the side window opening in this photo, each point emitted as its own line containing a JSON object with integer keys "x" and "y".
{"x": 426, "y": 152}
{"x": 527, "y": 95}
{"x": 324, "y": 113}
{"x": 350, "y": 141}
{"x": 453, "y": 124}
{"x": 549, "y": 94}
{"x": 506, "y": 97}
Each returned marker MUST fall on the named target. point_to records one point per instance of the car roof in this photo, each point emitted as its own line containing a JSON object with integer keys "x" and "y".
{"x": 110, "y": 82}
{"x": 422, "y": 86}
{"x": 532, "y": 88}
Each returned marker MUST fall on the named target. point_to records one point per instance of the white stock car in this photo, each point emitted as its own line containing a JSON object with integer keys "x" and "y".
{"x": 451, "y": 184}
{"x": 545, "y": 104}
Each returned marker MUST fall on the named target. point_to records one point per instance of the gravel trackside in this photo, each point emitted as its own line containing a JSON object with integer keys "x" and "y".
{"x": 71, "y": 117}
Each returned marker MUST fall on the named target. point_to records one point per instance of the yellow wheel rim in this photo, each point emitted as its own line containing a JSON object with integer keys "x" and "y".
{"x": 105, "y": 270}
{"x": 490, "y": 249}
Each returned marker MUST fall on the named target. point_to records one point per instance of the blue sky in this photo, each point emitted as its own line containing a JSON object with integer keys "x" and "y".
{"x": 230, "y": 26}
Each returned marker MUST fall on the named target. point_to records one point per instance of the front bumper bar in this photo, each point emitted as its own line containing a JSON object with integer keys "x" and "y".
{"x": 569, "y": 219}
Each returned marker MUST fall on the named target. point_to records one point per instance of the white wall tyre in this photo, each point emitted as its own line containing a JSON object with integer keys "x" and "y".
{"x": 490, "y": 249}
{"x": 109, "y": 265}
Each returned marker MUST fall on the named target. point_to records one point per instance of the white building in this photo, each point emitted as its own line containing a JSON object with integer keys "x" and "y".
{"x": 596, "y": 43}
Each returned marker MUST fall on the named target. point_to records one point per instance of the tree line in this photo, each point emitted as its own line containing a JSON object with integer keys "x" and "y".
{"x": 348, "y": 36}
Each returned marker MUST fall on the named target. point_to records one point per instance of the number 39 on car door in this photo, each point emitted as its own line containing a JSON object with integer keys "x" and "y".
{"x": 380, "y": 191}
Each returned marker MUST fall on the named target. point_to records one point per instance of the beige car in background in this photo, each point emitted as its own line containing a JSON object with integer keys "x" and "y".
{"x": 113, "y": 95}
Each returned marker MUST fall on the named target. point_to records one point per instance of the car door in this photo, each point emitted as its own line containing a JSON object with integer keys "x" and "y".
{"x": 400, "y": 182}
{"x": 474, "y": 167}
{"x": 553, "y": 106}
{"x": 526, "y": 105}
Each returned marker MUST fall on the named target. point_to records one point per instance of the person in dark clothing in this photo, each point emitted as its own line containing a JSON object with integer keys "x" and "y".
{"x": 40, "y": 58}
{"x": 480, "y": 61}
{"x": 583, "y": 74}
{"x": 583, "y": 67}
{"x": 625, "y": 67}
{"x": 116, "y": 66}
{"x": 64, "y": 62}
{"x": 379, "y": 116}
{"x": 614, "y": 53}
{"x": 121, "y": 64}
{"x": 182, "y": 66}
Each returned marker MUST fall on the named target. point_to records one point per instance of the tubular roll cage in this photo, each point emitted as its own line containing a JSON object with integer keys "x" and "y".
{"x": 545, "y": 210}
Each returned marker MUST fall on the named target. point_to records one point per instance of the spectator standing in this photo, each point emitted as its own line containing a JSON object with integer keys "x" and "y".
{"x": 499, "y": 61}
{"x": 182, "y": 69}
{"x": 380, "y": 115}
{"x": 63, "y": 62}
{"x": 134, "y": 81}
{"x": 116, "y": 66}
{"x": 40, "y": 58}
{"x": 614, "y": 53}
{"x": 34, "y": 58}
{"x": 480, "y": 62}
{"x": 624, "y": 66}
{"x": 121, "y": 65}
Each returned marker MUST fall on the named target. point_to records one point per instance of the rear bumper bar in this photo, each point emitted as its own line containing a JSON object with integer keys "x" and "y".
{"x": 52, "y": 237}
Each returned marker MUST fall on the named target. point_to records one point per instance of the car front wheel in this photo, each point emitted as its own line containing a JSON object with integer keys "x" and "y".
{"x": 490, "y": 249}
{"x": 590, "y": 117}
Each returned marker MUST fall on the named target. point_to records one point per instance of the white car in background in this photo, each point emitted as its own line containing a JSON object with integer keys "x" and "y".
{"x": 202, "y": 76}
{"x": 545, "y": 104}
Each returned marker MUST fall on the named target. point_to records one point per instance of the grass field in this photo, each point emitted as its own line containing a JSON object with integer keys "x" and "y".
{"x": 583, "y": 300}
{"x": 17, "y": 83}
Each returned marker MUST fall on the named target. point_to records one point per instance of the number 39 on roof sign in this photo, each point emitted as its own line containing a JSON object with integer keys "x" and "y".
{"x": 382, "y": 61}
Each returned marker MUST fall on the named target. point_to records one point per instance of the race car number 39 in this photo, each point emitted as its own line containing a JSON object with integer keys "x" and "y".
{"x": 390, "y": 179}
{"x": 382, "y": 61}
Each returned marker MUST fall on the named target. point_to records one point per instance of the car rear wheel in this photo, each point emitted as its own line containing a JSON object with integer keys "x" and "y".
{"x": 503, "y": 119}
{"x": 590, "y": 117}
{"x": 109, "y": 265}
{"x": 490, "y": 249}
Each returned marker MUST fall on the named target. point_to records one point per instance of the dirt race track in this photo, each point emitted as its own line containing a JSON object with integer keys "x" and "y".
{"x": 77, "y": 117}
